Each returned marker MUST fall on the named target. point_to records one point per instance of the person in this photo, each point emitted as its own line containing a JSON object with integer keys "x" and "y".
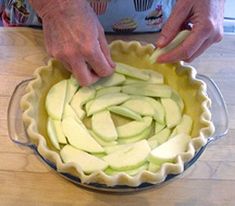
{"x": 74, "y": 29}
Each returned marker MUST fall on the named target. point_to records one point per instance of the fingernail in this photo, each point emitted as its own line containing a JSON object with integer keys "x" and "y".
{"x": 161, "y": 41}
{"x": 112, "y": 64}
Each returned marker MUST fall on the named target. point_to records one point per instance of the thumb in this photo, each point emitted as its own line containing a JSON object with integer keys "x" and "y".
{"x": 174, "y": 24}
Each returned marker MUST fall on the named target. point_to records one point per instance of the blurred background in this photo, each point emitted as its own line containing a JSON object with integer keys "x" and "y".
{"x": 229, "y": 16}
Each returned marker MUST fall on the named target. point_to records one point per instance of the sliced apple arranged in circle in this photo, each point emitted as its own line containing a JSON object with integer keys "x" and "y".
{"x": 128, "y": 122}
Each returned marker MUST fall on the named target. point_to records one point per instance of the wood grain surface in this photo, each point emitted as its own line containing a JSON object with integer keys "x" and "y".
{"x": 26, "y": 180}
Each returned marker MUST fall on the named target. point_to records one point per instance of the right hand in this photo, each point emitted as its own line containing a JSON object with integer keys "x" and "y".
{"x": 74, "y": 35}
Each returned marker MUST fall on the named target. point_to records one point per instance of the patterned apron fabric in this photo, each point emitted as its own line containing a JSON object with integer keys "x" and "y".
{"x": 116, "y": 16}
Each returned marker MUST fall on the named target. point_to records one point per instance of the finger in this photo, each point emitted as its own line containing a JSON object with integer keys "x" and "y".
{"x": 60, "y": 55}
{"x": 96, "y": 59}
{"x": 82, "y": 73}
{"x": 203, "y": 47}
{"x": 173, "y": 25}
{"x": 105, "y": 48}
{"x": 186, "y": 49}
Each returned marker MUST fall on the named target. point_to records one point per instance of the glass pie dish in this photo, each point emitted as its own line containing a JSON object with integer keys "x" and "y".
{"x": 27, "y": 126}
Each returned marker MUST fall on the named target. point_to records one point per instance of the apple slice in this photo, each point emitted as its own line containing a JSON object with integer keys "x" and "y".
{"x": 87, "y": 162}
{"x": 56, "y": 96}
{"x": 103, "y": 125}
{"x": 59, "y": 132}
{"x": 101, "y": 141}
{"x": 126, "y": 112}
{"x": 131, "y": 172}
{"x": 159, "y": 127}
{"x": 72, "y": 87}
{"x": 159, "y": 111}
{"x": 159, "y": 138}
{"x": 185, "y": 126}
{"x": 173, "y": 113}
{"x": 113, "y": 148}
{"x": 153, "y": 167}
{"x": 88, "y": 105}
{"x": 181, "y": 36}
{"x": 129, "y": 158}
{"x": 155, "y": 77}
{"x": 130, "y": 80}
{"x": 133, "y": 128}
{"x": 112, "y": 80}
{"x": 105, "y": 101}
{"x": 52, "y": 133}
{"x": 130, "y": 71}
{"x": 73, "y": 80}
{"x": 79, "y": 137}
{"x": 83, "y": 95}
{"x": 140, "y": 106}
{"x": 168, "y": 151}
{"x": 176, "y": 97}
{"x": 152, "y": 90}
{"x": 69, "y": 112}
{"x": 99, "y": 155}
{"x": 143, "y": 135}
{"x": 108, "y": 90}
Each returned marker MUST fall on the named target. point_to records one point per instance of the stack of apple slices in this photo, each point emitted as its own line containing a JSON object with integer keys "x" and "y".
{"x": 128, "y": 122}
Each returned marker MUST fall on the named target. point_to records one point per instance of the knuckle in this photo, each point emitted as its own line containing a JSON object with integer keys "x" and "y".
{"x": 219, "y": 36}
{"x": 105, "y": 72}
{"x": 210, "y": 27}
{"x": 189, "y": 60}
{"x": 88, "y": 51}
{"x": 186, "y": 53}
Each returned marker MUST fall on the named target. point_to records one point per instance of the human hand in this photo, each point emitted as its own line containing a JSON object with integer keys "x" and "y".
{"x": 206, "y": 16}
{"x": 74, "y": 35}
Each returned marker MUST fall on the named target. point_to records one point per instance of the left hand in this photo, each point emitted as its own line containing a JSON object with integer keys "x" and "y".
{"x": 206, "y": 16}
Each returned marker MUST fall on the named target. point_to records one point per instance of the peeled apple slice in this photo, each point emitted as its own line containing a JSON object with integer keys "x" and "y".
{"x": 176, "y": 97}
{"x": 155, "y": 77}
{"x": 126, "y": 112}
{"x": 55, "y": 100}
{"x": 105, "y": 101}
{"x": 59, "y": 132}
{"x": 103, "y": 125}
{"x": 143, "y": 135}
{"x": 168, "y": 151}
{"x": 159, "y": 138}
{"x": 185, "y": 126}
{"x": 172, "y": 110}
{"x": 140, "y": 106}
{"x": 52, "y": 133}
{"x": 159, "y": 112}
{"x": 133, "y": 128}
{"x": 112, "y": 80}
{"x": 131, "y": 71}
{"x": 71, "y": 89}
{"x": 83, "y": 95}
{"x": 101, "y": 141}
{"x": 159, "y": 127}
{"x": 108, "y": 90}
{"x": 181, "y": 36}
{"x": 79, "y": 137}
{"x": 151, "y": 90}
{"x": 129, "y": 158}
{"x": 87, "y": 162}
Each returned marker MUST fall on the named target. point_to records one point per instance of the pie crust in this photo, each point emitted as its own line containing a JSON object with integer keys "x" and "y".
{"x": 180, "y": 77}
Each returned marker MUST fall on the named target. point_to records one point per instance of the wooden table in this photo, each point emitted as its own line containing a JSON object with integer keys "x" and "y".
{"x": 26, "y": 180}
